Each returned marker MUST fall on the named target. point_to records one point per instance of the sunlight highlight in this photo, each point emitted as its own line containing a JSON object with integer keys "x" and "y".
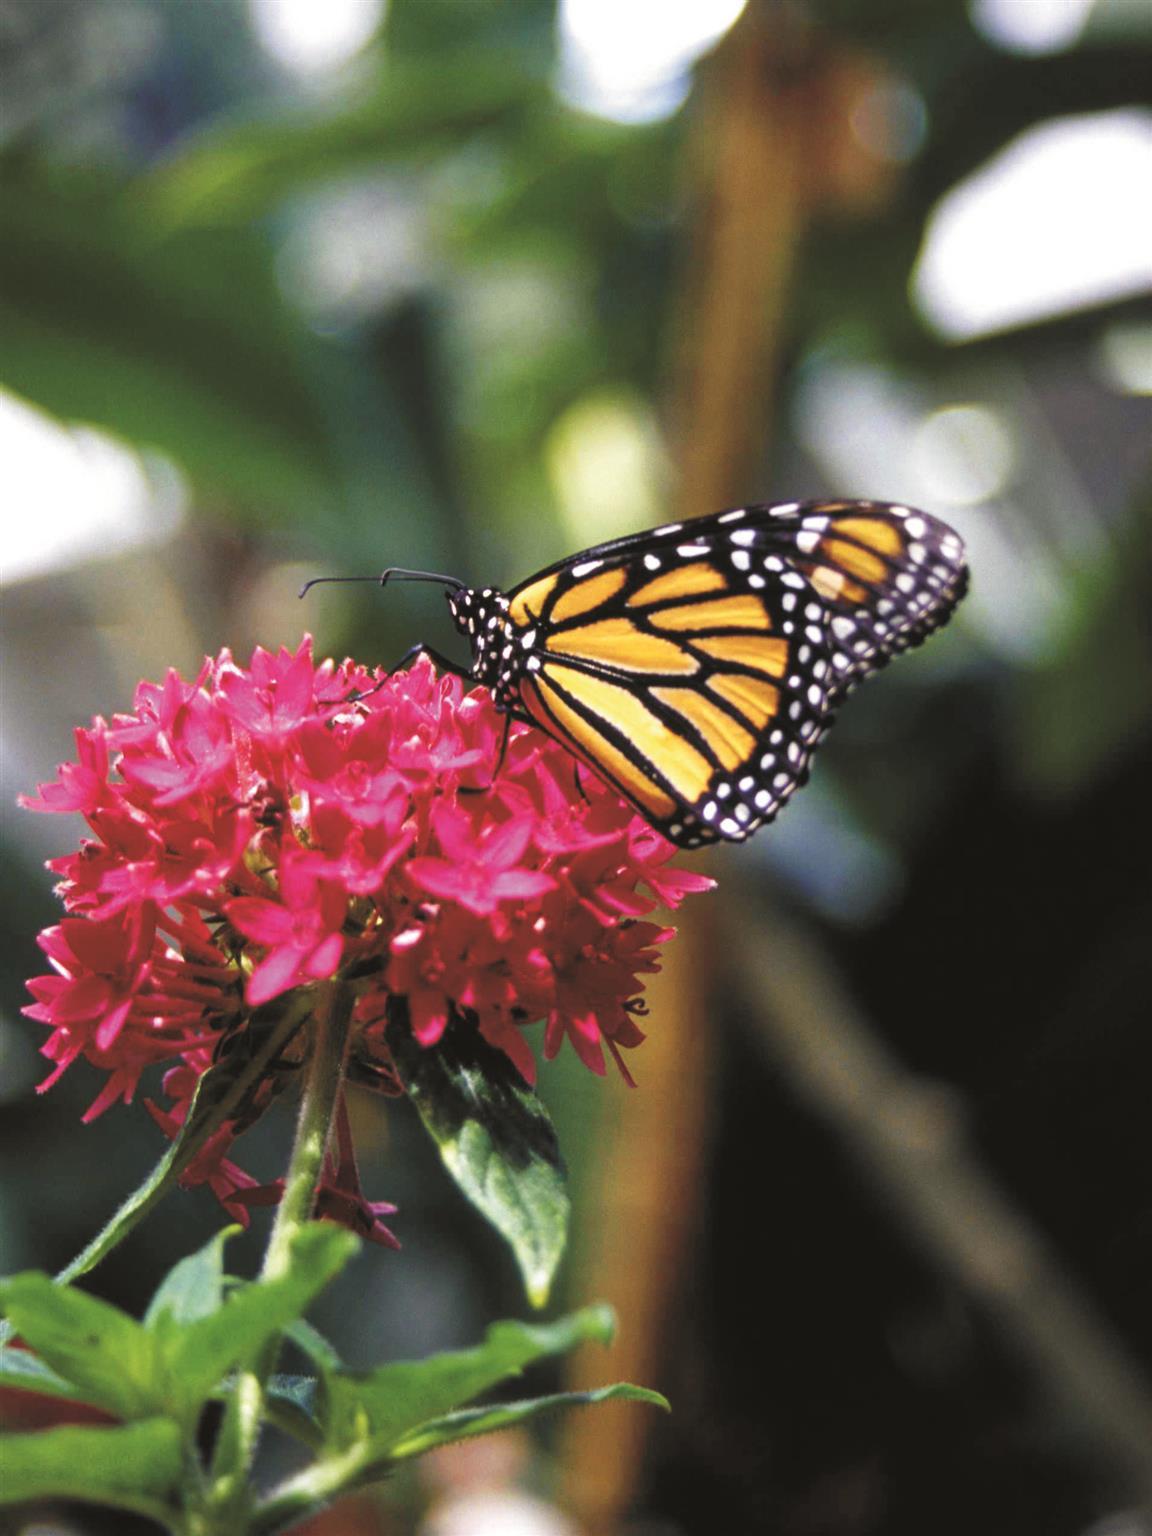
{"x": 1056, "y": 223}
{"x": 607, "y": 467}
{"x": 630, "y": 60}
{"x": 963, "y": 454}
{"x": 312, "y": 36}
{"x": 1031, "y": 26}
{"x": 77, "y": 495}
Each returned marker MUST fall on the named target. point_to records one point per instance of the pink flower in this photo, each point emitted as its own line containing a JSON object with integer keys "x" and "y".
{"x": 481, "y": 867}
{"x": 259, "y": 830}
{"x": 299, "y": 931}
{"x": 100, "y": 965}
{"x": 81, "y": 786}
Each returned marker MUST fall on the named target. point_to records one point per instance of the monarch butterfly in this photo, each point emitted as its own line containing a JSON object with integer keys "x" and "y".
{"x": 697, "y": 666}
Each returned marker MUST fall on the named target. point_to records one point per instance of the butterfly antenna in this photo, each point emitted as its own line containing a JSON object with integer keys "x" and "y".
{"x": 393, "y": 573}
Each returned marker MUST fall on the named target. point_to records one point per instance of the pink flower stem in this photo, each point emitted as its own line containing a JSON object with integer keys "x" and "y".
{"x": 240, "y": 1430}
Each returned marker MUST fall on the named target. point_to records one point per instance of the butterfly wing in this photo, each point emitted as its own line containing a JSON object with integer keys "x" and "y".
{"x": 887, "y": 575}
{"x": 697, "y": 667}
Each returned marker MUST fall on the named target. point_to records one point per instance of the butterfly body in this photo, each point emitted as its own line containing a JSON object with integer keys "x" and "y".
{"x": 697, "y": 666}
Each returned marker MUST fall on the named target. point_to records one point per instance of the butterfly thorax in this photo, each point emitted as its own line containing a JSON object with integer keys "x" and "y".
{"x": 482, "y": 616}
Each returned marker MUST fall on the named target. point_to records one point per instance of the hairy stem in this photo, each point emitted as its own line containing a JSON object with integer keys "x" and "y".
{"x": 230, "y": 1498}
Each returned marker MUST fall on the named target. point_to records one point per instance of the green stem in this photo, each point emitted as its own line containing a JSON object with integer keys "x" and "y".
{"x": 203, "y": 1120}
{"x": 229, "y": 1498}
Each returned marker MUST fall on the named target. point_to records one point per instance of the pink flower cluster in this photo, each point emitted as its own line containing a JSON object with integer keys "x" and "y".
{"x": 258, "y": 830}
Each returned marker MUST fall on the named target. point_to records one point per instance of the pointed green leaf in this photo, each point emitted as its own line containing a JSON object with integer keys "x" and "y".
{"x": 311, "y": 1342}
{"x": 496, "y": 1140}
{"x": 194, "y": 1288}
{"x": 205, "y": 1350}
{"x": 130, "y": 1466}
{"x": 378, "y": 1408}
{"x": 95, "y": 1346}
{"x": 23, "y": 1371}
{"x": 291, "y": 1405}
{"x": 470, "y": 1422}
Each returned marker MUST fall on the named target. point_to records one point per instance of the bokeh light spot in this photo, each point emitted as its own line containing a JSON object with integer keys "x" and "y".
{"x": 629, "y": 60}
{"x": 1059, "y": 221}
{"x": 311, "y": 36}
{"x": 76, "y": 495}
{"x": 1124, "y": 355}
{"x": 606, "y": 465}
{"x": 963, "y": 455}
{"x": 1031, "y": 26}
{"x": 891, "y": 121}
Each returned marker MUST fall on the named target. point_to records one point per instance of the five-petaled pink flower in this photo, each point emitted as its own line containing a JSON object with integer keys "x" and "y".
{"x": 259, "y": 830}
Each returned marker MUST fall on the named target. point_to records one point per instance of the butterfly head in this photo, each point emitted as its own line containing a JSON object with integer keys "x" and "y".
{"x": 462, "y": 607}
{"x": 481, "y": 617}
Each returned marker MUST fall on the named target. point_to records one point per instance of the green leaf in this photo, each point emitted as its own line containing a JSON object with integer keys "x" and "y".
{"x": 311, "y": 1342}
{"x": 240, "y": 170}
{"x": 495, "y": 1139}
{"x": 470, "y": 1422}
{"x": 291, "y": 1405}
{"x": 203, "y": 1351}
{"x": 130, "y": 1466}
{"x": 93, "y": 1345}
{"x": 193, "y": 1289}
{"x": 23, "y": 1371}
{"x": 379, "y": 1409}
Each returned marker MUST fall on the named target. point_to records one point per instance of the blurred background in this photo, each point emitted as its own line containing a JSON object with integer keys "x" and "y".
{"x": 296, "y": 287}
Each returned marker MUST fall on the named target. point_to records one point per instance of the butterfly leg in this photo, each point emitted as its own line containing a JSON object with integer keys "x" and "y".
{"x": 482, "y": 789}
{"x": 580, "y": 772}
{"x": 443, "y": 662}
{"x": 409, "y": 656}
